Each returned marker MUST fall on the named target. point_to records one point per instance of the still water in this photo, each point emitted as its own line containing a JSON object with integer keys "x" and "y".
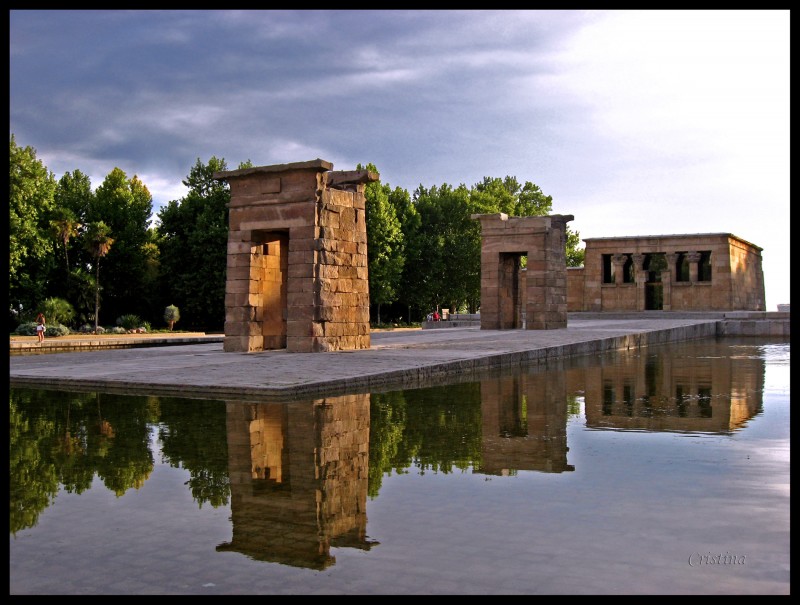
{"x": 662, "y": 471}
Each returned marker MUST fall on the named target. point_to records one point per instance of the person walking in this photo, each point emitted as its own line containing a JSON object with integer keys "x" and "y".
{"x": 40, "y": 327}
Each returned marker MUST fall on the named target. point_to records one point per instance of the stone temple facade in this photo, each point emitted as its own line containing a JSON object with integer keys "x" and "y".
{"x": 297, "y": 274}
{"x": 696, "y": 272}
{"x": 513, "y": 296}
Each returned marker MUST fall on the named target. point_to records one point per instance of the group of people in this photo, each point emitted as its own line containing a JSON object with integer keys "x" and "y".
{"x": 433, "y": 316}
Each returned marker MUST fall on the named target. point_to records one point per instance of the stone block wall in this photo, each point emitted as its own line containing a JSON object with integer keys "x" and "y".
{"x": 736, "y": 278}
{"x": 575, "y": 288}
{"x": 297, "y": 275}
{"x": 298, "y": 478}
{"x": 542, "y": 294}
{"x": 524, "y": 425}
{"x": 679, "y": 394}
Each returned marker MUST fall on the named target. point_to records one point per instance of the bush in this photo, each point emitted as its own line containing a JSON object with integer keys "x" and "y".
{"x": 28, "y": 328}
{"x": 129, "y": 322}
{"x": 171, "y": 315}
{"x": 56, "y": 330}
{"x": 118, "y": 330}
{"x": 58, "y": 311}
{"x": 89, "y": 329}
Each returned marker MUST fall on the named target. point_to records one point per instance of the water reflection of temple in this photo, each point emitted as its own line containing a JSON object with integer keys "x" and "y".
{"x": 692, "y": 387}
{"x": 524, "y": 424}
{"x": 299, "y": 471}
{"x": 298, "y": 479}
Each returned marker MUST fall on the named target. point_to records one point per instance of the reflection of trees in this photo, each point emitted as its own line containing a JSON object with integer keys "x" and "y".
{"x": 387, "y": 422}
{"x": 436, "y": 428}
{"x": 75, "y": 470}
{"x": 120, "y": 442}
{"x": 444, "y": 427}
{"x": 193, "y": 435}
{"x": 33, "y": 479}
{"x": 66, "y": 438}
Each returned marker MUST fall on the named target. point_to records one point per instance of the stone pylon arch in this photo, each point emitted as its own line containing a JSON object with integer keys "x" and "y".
{"x": 297, "y": 273}
{"x": 533, "y": 297}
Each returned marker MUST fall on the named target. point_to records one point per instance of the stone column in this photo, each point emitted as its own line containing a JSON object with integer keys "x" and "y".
{"x": 667, "y": 277}
{"x": 641, "y": 279}
{"x": 618, "y": 260}
{"x": 694, "y": 259}
{"x": 672, "y": 264}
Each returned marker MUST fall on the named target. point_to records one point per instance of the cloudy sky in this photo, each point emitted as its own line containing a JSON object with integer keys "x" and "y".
{"x": 635, "y": 122}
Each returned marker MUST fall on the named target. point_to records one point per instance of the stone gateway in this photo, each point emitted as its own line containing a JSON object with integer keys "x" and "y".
{"x": 297, "y": 273}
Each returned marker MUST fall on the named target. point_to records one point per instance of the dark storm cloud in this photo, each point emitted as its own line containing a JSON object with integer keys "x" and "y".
{"x": 634, "y": 121}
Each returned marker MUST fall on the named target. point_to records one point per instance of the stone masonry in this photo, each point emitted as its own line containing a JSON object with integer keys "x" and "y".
{"x": 297, "y": 274}
{"x": 692, "y": 272}
{"x": 298, "y": 479}
{"x": 541, "y": 296}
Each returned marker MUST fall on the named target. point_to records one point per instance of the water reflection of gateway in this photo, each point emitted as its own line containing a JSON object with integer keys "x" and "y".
{"x": 524, "y": 424}
{"x": 686, "y": 388}
{"x": 298, "y": 479}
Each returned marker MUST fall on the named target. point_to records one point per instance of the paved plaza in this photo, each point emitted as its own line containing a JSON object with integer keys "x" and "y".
{"x": 395, "y": 359}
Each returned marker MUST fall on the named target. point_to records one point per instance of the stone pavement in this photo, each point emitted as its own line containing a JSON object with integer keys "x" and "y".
{"x": 395, "y": 360}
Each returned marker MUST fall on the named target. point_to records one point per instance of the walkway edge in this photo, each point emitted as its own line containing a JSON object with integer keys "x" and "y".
{"x": 418, "y": 372}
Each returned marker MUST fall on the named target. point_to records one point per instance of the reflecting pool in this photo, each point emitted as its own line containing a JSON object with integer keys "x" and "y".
{"x": 659, "y": 471}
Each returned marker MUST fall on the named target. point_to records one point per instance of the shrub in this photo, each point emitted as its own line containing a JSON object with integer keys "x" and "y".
{"x": 56, "y": 330}
{"x": 171, "y": 315}
{"x": 28, "y": 328}
{"x": 58, "y": 311}
{"x": 129, "y": 322}
{"x": 118, "y": 330}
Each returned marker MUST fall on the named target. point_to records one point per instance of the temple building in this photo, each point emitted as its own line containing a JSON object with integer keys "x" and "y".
{"x": 696, "y": 272}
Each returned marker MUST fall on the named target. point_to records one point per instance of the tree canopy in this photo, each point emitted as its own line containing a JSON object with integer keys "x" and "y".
{"x": 423, "y": 247}
{"x": 193, "y": 242}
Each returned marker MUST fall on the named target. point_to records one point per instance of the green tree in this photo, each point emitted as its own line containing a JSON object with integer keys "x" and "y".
{"x": 74, "y": 193}
{"x": 494, "y": 195}
{"x": 385, "y": 249}
{"x": 193, "y": 247}
{"x": 31, "y": 248}
{"x": 125, "y": 206}
{"x": 410, "y": 224}
{"x": 82, "y": 293}
{"x": 450, "y": 242}
{"x": 73, "y": 197}
{"x": 98, "y": 241}
{"x": 65, "y": 226}
{"x": 575, "y": 253}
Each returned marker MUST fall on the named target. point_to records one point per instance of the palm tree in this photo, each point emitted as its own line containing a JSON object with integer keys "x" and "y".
{"x": 98, "y": 243}
{"x": 65, "y": 226}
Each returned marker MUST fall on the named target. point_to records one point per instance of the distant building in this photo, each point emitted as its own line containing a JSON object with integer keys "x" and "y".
{"x": 697, "y": 272}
